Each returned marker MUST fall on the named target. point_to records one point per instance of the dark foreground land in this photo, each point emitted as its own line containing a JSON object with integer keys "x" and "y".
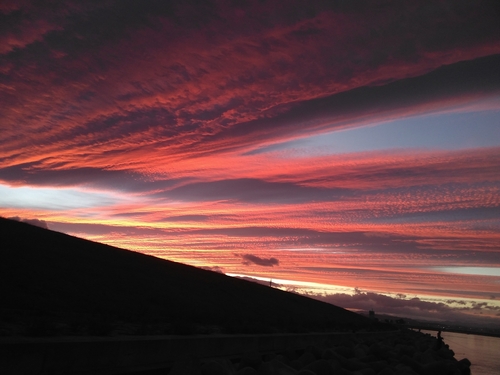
{"x": 363, "y": 353}
{"x": 54, "y": 284}
{"x": 402, "y": 353}
{"x": 59, "y": 292}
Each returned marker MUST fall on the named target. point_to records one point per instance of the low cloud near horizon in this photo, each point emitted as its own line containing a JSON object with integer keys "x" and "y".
{"x": 36, "y": 222}
{"x": 213, "y": 269}
{"x": 413, "y": 308}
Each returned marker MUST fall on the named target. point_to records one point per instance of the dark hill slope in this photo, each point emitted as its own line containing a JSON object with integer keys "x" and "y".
{"x": 52, "y": 279}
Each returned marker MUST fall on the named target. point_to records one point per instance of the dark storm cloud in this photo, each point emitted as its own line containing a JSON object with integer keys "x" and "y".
{"x": 266, "y": 262}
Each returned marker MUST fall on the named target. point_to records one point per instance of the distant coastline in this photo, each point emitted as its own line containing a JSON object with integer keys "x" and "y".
{"x": 455, "y": 330}
{"x": 435, "y": 326}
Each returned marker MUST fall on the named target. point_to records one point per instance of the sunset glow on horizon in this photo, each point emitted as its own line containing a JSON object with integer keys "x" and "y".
{"x": 350, "y": 153}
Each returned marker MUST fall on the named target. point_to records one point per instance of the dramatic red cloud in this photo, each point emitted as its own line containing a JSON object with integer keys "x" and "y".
{"x": 168, "y": 83}
{"x": 169, "y": 128}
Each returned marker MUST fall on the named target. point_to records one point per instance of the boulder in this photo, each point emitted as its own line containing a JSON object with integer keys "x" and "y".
{"x": 306, "y": 372}
{"x": 443, "y": 367}
{"x": 306, "y": 358}
{"x": 345, "y": 351}
{"x": 251, "y": 359}
{"x": 320, "y": 367}
{"x": 377, "y": 365}
{"x": 275, "y": 367}
{"x": 217, "y": 367}
{"x": 186, "y": 366}
{"x": 464, "y": 366}
{"x": 386, "y": 371}
{"x": 366, "y": 371}
{"x": 247, "y": 371}
{"x": 328, "y": 354}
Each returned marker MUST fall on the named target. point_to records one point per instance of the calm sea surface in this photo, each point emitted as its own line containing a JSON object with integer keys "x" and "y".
{"x": 482, "y": 351}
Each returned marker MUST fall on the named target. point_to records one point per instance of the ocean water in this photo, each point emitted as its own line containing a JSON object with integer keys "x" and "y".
{"x": 482, "y": 351}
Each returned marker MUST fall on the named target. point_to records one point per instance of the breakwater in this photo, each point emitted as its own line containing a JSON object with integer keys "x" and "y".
{"x": 369, "y": 353}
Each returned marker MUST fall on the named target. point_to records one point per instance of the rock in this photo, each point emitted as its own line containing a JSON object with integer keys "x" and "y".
{"x": 188, "y": 366}
{"x": 291, "y": 355}
{"x": 377, "y": 365}
{"x": 446, "y": 353}
{"x": 247, "y": 371}
{"x": 282, "y": 359}
{"x": 275, "y": 367}
{"x": 464, "y": 362}
{"x": 354, "y": 365}
{"x": 314, "y": 350}
{"x": 429, "y": 356}
{"x": 366, "y": 371}
{"x": 464, "y": 366}
{"x": 386, "y": 371}
{"x": 217, "y": 367}
{"x": 306, "y": 372}
{"x": 345, "y": 351}
{"x": 406, "y": 353}
{"x": 379, "y": 351}
{"x": 252, "y": 359}
{"x": 361, "y": 350}
{"x": 296, "y": 364}
{"x": 368, "y": 358}
{"x": 402, "y": 369}
{"x": 443, "y": 367}
{"x": 343, "y": 371}
{"x": 328, "y": 354}
{"x": 320, "y": 367}
{"x": 406, "y": 350}
{"x": 306, "y": 358}
{"x": 410, "y": 362}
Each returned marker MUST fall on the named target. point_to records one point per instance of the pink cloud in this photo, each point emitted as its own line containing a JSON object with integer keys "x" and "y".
{"x": 166, "y": 87}
{"x": 179, "y": 108}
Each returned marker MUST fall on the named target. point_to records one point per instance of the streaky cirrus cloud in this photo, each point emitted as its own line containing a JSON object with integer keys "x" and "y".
{"x": 358, "y": 145}
{"x": 115, "y": 91}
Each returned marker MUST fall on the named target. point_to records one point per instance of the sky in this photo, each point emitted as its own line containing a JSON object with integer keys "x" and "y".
{"x": 346, "y": 150}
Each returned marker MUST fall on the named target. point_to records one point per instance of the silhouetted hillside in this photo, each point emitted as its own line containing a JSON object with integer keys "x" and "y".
{"x": 52, "y": 283}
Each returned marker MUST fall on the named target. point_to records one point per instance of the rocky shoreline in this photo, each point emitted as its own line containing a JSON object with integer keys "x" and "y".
{"x": 405, "y": 353}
